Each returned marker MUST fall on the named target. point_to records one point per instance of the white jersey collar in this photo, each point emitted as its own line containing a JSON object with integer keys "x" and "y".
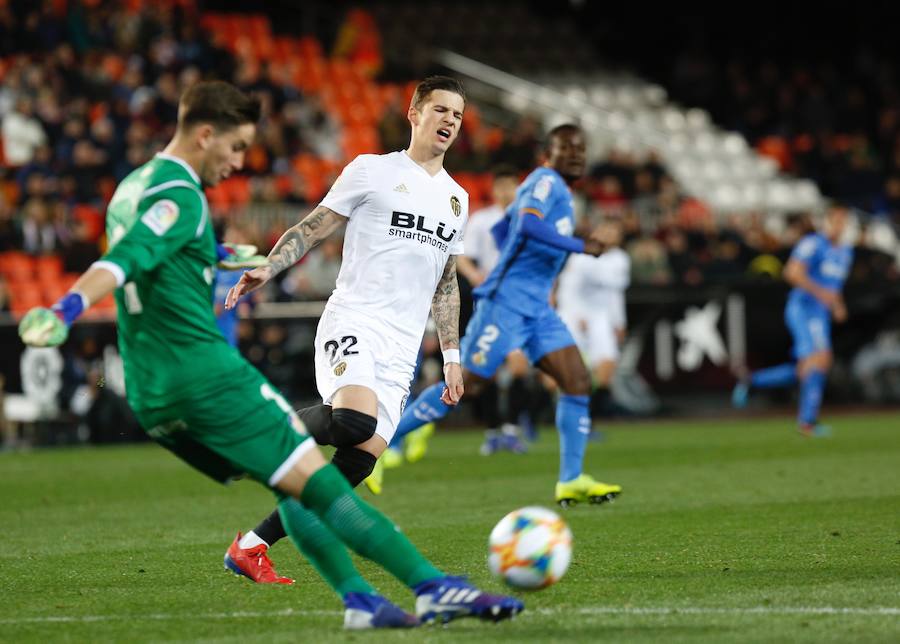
{"x": 412, "y": 161}
{"x": 182, "y": 163}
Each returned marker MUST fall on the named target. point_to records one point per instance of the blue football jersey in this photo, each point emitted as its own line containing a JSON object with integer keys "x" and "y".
{"x": 226, "y": 320}
{"x": 524, "y": 274}
{"x": 827, "y": 265}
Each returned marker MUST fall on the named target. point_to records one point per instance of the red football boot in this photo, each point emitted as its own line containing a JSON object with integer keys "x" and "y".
{"x": 253, "y": 563}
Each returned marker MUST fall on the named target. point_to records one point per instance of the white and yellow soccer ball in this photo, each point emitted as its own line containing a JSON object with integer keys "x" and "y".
{"x": 530, "y": 548}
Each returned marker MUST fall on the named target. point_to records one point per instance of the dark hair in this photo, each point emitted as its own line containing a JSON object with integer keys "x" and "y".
{"x": 430, "y": 84}
{"x": 218, "y": 103}
{"x": 559, "y": 129}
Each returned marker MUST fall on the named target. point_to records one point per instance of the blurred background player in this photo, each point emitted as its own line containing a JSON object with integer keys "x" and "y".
{"x": 207, "y": 404}
{"x": 817, "y": 269}
{"x": 513, "y": 310}
{"x": 405, "y": 218}
{"x": 503, "y": 405}
{"x": 591, "y": 301}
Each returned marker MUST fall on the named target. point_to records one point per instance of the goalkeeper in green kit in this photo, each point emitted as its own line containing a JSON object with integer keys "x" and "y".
{"x": 196, "y": 396}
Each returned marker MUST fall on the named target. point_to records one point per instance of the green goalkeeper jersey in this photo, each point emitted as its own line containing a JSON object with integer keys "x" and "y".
{"x": 163, "y": 251}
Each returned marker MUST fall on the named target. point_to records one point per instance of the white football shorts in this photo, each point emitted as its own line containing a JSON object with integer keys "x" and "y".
{"x": 354, "y": 350}
{"x": 595, "y": 337}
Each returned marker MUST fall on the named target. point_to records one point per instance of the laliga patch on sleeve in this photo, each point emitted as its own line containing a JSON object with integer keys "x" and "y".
{"x": 543, "y": 187}
{"x": 161, "y": 216}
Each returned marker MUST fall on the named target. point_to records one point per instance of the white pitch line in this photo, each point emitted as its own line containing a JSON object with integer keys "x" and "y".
{"x": 711, "y": 610}
{"x": 672, "y": 611}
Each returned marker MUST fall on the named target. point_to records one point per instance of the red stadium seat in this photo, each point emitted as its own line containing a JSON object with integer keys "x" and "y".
{"x": 24, "y": 296}
{"x": 238, "y": 190}
{"x": 92, "y": 219}
{"x": 217, "y": 196}
{"x": 68, "y": 280}
{"x": 310, "y": 47}
{"x": 49, "y": 268}
{"x": 52, "y": 291}
{"x": 18, "y": 267}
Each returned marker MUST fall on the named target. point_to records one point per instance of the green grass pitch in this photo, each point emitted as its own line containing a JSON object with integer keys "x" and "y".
{"x": 727, "y": 531}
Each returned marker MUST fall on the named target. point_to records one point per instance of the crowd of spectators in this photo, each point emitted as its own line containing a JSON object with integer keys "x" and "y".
{"x": 89, "y": 95}
{"x": 837, "y": 123}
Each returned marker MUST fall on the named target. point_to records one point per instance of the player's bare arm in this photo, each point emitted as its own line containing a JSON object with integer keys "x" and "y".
{"x": 293, "y": 244}
{"x": 470, "y": 271}
{"x": 300, "y": 239}
{"x": 445, "y": 307}
{"x": 445, "y": 311}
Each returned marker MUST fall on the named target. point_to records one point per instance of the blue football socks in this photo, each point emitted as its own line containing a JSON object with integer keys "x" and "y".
{"x": 427, "y": 408}
{"x": 811, "y": 390}
{"x": 784, "y": 375}
{"x": 573, "y": 420}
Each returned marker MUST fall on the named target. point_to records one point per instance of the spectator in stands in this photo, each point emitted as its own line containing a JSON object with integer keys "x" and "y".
{"x": 10, "y": 236}
{"x": 81, "y": 251}
{"x": 314, "y": 278}
{"x": 264, "y": 190}
{"x": 393, "y": 128}
{"x": 4, "y": 298}
{"x": 38, "y": 165}
{"x": 728, "y": 262}
{"x": 644, "y": 200}
{"x": 22, "y": 133}
{"x": 519, "y": 146}
{"x": 685, "y": 268}
{"x": 649, "y": 264}
{"x": 86, "y": 169}
{"x": 318, "y": 131}
{"x": 610, "y": 196}
{"x": 40, "y": 233}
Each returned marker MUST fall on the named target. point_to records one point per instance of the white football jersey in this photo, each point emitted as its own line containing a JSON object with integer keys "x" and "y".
{"x": 590, "y": 284}
{"x": 480, "y": 244}
{"x": 404, "y": 225}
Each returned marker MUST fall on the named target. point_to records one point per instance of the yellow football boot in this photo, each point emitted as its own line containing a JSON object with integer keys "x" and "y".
{"x": 375, "y": 480}
{"x": 417, "y": 442}
{"x": 392, "y": 458}
{"x": 585, "y": 488}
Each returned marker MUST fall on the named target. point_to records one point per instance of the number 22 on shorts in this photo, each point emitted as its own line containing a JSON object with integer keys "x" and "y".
{"x": 346, "y": 344}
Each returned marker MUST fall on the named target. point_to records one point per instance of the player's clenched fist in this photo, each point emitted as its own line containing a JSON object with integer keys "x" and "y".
{"x": 249, "y": 282}
{"x": 454, "y": 389}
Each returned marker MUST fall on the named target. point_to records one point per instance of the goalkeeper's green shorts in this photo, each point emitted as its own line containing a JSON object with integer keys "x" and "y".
{"x": 241, "y": 425}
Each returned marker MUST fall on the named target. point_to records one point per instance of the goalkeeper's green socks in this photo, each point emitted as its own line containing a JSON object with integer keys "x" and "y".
{"x": 326, "y": 553}
{"x": 363, "y": 528}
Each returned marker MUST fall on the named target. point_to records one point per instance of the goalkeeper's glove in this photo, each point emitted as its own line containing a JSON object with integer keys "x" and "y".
{"x": 235, "y": 256}
{"x": 43, "y": 327}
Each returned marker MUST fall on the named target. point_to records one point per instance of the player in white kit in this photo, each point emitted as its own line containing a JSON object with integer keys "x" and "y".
{"x": 481, "y": 248}
{"x": 405, "y": 219}
{"x": 591, "y": 301}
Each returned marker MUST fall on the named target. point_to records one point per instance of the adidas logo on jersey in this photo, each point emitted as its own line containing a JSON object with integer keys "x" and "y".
{"x": 402, "y": 188}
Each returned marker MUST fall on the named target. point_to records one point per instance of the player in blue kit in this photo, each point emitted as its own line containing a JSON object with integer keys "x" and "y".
{"x": 817, "y": 269}
{"x": 513, "y": 311}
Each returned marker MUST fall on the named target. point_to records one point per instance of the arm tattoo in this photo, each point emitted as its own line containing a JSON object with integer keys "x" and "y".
{"x": 300, "y": 239}
{"x": 445, "y": 307}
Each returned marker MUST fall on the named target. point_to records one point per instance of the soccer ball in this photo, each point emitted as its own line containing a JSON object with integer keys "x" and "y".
{"x": 530, "y": 548}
